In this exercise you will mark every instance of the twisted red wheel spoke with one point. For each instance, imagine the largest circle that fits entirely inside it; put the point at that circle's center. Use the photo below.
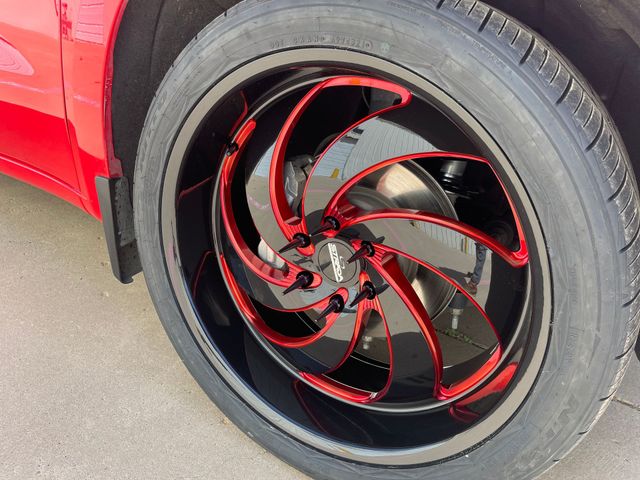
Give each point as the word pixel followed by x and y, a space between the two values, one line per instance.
pixel 414 350
pixel 364 309
pixel 364 148
pixel 277 280
pixel 286 219
pixel 385 250
pixel 342 340
pixel 405 240
pixel 338 201
pixel 324 351
pixel 333 192
pixel 248 309
pixel 487 365
pixel 490 363
pixel 461 410
pixel 333 387
pixel 415 359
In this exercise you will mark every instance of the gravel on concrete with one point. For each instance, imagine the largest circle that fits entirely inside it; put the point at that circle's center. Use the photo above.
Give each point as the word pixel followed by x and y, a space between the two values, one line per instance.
pixel 90 387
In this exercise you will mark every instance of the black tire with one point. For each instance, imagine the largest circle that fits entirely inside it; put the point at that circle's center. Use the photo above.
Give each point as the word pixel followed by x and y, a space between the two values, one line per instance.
pixel 559 139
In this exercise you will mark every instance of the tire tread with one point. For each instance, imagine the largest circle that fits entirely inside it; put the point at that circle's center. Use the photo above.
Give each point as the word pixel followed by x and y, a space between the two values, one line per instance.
pixel 601 139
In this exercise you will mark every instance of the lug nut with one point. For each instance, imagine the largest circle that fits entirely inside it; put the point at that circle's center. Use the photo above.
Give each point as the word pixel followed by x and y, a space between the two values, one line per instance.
pixel 336 305
pixel 300 240
pixel 368 292
pixel 303 280
pixel 366 250
pixel 329 223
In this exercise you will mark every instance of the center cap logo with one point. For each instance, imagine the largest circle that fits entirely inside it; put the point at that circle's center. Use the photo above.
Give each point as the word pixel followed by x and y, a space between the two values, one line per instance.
pixel 337 262
pixel 331 259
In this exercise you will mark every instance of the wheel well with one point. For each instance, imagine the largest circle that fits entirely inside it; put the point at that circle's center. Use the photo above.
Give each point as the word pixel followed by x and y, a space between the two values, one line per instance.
pixel 151 36
pixel 600 37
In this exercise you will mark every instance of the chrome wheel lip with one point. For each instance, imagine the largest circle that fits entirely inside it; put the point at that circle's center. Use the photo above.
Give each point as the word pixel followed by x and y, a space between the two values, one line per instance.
pixel 404 456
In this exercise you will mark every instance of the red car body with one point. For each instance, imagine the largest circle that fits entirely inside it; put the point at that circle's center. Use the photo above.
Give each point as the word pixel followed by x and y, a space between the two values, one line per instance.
pixel 56 74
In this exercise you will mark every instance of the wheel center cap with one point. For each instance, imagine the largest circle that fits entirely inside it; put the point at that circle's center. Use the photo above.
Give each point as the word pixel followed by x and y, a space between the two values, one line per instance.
pixel 331 259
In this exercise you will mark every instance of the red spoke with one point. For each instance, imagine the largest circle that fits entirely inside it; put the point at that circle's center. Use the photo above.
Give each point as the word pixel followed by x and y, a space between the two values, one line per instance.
pixel 287 220
pixel 388 267
pixel 478 376
pixel 338 389
pixel 385 250
pixel 362 314
pixel 338 207
pixel 249 311
pixel 515 259
pixel 268 273
pixel 322 381
pixel 461 411
pixel 396 367
pixel 497 385
pixel 384 262
pixel 339 202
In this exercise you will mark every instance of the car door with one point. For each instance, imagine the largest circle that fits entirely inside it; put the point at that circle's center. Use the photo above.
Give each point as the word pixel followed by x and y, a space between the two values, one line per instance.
pixel 33 127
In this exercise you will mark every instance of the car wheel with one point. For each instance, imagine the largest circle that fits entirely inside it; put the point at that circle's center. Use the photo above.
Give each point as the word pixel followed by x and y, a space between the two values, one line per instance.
pixel 390 239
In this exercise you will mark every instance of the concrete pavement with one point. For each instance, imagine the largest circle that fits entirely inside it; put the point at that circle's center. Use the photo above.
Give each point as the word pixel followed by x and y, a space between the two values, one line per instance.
pixel 90 386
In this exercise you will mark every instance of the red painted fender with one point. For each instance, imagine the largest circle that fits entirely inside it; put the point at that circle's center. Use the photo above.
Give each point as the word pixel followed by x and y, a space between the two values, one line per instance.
pixel 88 33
